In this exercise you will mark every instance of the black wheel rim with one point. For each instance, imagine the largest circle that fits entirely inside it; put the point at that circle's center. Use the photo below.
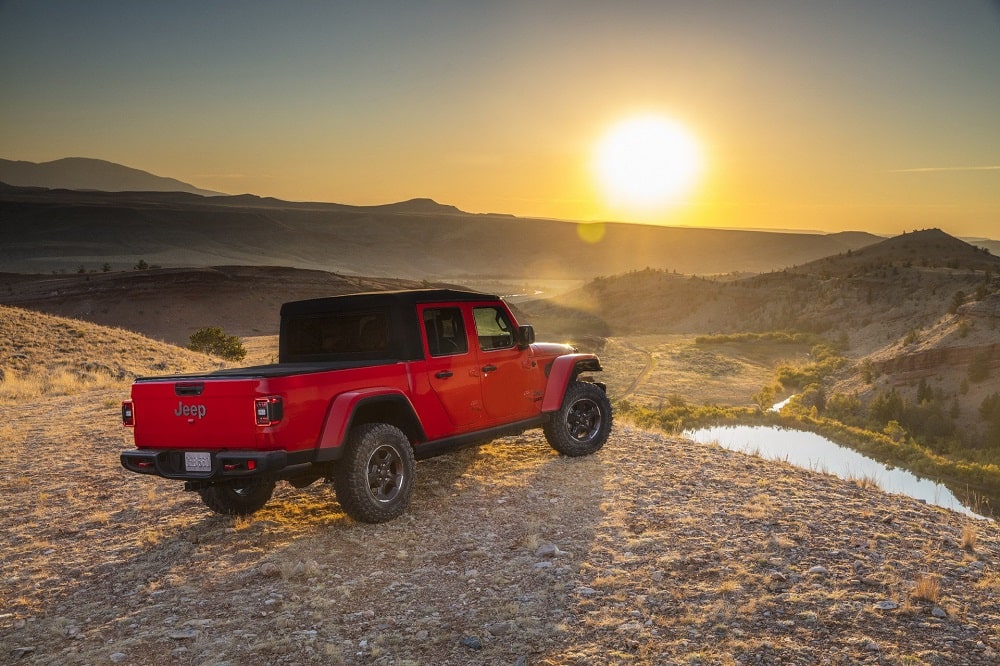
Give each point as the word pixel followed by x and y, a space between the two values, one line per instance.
pixel 584 419
pixel 385 473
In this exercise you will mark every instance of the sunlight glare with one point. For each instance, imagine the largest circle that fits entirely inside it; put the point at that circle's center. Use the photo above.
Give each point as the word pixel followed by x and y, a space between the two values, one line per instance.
pixel 647 162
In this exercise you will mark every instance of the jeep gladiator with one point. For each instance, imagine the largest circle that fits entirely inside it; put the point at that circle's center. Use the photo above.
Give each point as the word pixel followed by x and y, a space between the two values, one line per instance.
pixel 365 384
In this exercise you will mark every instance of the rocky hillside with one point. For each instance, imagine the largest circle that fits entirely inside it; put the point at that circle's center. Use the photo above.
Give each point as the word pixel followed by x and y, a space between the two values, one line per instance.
pixel 654 550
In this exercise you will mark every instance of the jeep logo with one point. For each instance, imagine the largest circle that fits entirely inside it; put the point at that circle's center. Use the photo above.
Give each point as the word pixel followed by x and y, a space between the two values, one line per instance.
pixel 190 410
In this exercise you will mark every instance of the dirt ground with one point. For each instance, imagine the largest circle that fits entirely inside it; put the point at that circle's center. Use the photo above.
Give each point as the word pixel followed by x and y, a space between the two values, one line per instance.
pixel 655 550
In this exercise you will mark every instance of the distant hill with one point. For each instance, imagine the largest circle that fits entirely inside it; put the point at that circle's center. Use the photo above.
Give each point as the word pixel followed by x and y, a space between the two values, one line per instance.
pixel 873 295
pixel 63 230
pixel 928 248
pixel 171 303
pixel 991 245
pixel 83 173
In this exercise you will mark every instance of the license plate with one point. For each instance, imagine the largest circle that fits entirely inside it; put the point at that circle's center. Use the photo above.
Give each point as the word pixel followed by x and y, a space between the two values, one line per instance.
pixel 197 461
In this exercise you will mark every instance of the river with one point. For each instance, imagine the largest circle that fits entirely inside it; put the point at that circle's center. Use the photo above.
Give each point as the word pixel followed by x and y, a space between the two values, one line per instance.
pixel 815 452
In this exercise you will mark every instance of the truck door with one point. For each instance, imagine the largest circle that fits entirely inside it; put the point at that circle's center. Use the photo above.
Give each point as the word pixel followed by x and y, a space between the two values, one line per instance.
pixel 451 365
pixel 507 374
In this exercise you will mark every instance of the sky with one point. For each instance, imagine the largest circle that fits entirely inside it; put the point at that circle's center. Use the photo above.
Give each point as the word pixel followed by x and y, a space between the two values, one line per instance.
pixel 870 115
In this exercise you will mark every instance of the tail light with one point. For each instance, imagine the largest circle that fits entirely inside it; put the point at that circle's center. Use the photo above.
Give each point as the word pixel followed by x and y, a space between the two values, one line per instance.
pixel 268 411
pixel 128 414
pixel 244 466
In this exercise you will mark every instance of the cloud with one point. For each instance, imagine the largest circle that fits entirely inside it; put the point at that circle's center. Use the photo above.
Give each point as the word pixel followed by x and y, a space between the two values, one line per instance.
pixel 963 168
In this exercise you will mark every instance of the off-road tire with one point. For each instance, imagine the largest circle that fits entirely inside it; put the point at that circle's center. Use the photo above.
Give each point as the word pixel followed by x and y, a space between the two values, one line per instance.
pixel 583 422
pixel 374 479
pixel 238 498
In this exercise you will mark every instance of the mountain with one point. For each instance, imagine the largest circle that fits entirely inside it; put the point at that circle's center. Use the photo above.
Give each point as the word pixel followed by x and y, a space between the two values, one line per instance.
pixel 83 173
pixel 63 230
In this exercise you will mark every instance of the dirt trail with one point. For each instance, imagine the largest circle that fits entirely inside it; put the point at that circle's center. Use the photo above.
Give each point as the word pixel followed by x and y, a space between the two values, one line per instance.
pixel 643 374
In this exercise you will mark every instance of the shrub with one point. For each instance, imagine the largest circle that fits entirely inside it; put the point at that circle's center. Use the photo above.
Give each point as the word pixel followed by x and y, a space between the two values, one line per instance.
pixel 764 398
pixel 214 341
pixel 826 362
pixel 895 431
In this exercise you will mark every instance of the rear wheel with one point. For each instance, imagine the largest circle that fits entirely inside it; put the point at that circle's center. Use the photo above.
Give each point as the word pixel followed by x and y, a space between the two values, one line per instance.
pixel 374 479
pixel 583 422
pixel 238 498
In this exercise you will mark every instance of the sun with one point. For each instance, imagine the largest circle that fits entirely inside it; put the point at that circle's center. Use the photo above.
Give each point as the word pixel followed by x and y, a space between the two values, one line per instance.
pixel 647 162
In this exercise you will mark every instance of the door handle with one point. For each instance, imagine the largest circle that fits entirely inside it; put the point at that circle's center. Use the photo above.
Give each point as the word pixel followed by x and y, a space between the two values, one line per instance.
pixel 443 374
pixel 489 368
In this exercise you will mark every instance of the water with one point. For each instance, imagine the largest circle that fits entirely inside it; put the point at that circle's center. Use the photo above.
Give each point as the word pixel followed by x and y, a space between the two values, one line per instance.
pixel 815 452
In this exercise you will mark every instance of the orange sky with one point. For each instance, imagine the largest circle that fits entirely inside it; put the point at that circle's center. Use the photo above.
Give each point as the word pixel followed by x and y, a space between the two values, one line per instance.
pixel 821 116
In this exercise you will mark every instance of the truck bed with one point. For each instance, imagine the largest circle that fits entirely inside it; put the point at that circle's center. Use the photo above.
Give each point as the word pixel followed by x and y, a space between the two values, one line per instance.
pixel 269 371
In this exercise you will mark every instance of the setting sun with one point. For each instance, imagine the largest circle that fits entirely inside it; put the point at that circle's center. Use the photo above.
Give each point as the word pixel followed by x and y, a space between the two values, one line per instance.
pixel 647 162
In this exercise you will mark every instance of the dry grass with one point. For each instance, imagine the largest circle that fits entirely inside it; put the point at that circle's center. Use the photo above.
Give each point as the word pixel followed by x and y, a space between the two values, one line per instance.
pixel 18 387
pixel 928 588
pixel 45 355
pixel 969 535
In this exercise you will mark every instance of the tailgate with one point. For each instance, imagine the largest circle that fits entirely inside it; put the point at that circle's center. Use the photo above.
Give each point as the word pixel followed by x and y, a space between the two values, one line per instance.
pixel 198 413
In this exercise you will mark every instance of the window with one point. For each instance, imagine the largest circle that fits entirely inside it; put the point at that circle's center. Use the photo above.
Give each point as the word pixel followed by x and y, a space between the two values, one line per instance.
pixel 493 328
pixel 338 334
pixel 445 331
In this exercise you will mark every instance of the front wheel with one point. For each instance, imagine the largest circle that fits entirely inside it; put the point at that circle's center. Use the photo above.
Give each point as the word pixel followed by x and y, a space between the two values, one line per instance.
pixel 583 422
pixel 374 479
pixel 238 498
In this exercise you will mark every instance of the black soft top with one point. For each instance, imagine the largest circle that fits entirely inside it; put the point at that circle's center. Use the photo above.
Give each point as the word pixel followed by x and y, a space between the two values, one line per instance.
pixel 399 307
pixel 406 298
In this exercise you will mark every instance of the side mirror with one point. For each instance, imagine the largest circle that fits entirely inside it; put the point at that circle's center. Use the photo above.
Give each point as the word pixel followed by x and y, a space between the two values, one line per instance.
pixel 525 336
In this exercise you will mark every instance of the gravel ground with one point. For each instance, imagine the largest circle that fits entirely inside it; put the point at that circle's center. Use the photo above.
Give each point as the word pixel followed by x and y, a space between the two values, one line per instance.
pixel 655 550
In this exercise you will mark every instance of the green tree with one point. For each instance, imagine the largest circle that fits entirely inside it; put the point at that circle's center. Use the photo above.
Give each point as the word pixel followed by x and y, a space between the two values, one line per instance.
pixel 924 392
pixel 956 301
pixel 979 369
pixel 990 411
pixel 895 431
pixel 214 341
pixel 885 407
pixel 842 407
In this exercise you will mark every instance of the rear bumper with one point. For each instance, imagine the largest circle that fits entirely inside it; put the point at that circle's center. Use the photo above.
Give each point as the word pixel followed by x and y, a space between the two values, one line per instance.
pixel 169 463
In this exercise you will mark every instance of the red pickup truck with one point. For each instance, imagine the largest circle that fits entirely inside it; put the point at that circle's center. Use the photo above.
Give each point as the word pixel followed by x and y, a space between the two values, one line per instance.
pixel 365 384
